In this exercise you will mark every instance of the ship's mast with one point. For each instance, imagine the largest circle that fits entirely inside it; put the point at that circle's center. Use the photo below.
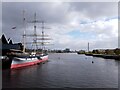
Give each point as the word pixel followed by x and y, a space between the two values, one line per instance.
pixel 24 32
pixel 35 35
pixel 43 38
pixel 42 44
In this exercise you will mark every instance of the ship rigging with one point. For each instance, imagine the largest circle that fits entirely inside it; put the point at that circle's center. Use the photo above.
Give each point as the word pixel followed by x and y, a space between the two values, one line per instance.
pixel 38 39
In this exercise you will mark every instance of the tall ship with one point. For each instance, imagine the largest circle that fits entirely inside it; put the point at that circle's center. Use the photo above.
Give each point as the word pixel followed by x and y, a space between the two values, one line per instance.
pixel 21 57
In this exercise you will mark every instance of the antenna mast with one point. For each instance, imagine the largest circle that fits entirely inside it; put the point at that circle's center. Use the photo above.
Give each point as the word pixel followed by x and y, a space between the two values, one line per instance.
pixel 88 46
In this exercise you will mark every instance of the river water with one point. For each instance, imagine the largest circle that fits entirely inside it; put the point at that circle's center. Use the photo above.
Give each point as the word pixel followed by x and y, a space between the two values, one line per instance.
pixel 68 70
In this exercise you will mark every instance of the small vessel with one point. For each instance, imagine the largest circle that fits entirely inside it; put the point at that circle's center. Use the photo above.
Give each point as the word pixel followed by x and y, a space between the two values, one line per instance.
pixel 92 62
pixel 6 62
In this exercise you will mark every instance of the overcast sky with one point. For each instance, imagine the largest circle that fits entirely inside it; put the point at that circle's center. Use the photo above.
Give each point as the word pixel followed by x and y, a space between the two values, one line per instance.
pixel 72 24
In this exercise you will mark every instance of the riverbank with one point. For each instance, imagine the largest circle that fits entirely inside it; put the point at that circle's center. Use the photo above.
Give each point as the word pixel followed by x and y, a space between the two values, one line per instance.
pixel 116 57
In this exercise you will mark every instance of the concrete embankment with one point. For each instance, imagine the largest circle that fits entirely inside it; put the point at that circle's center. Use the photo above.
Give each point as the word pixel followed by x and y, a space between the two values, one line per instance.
pixel 116 57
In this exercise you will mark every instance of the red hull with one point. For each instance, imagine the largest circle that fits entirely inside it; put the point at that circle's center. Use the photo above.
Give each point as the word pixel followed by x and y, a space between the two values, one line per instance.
pixel 13 66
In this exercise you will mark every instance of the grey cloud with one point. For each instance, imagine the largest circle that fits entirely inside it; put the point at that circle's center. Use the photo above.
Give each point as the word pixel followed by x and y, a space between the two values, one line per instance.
pixel 44 11
pixel 96 9
pixel 12 11
pixel 12 15
pixel 52 13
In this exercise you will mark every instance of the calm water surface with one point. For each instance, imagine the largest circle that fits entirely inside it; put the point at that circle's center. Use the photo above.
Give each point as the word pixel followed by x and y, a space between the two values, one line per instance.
pixel 65 70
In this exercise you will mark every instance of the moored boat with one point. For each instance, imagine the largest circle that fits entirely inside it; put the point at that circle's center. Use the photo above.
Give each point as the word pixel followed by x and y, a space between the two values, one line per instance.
pixel 34 57
pixel 13 57
pixel 6 62
pixel 18 62
pixel 21 58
